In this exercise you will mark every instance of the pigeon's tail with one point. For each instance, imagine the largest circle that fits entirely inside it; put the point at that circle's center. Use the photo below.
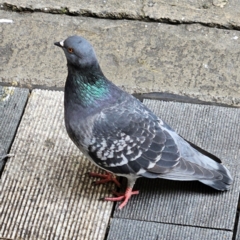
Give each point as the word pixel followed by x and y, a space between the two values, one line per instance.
pixel 220 184
pixel 222 179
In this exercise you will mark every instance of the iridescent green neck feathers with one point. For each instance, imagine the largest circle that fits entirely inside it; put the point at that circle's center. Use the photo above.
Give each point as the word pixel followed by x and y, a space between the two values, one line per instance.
pixel 87 89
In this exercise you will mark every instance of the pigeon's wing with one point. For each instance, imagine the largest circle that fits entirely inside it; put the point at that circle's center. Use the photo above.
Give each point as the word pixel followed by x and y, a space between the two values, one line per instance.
pixel 204 152
pixel 135 141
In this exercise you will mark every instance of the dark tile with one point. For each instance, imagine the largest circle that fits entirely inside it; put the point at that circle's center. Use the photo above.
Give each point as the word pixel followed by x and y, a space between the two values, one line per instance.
pixel 123 229
pixel 12 103
pixel 215 129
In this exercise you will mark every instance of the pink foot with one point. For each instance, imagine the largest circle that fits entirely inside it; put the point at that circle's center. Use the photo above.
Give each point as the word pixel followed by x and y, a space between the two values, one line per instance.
pixel 107 177
pixel 120 196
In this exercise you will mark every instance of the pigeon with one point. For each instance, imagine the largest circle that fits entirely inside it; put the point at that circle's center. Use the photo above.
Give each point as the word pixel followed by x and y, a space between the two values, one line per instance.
pixel 119 134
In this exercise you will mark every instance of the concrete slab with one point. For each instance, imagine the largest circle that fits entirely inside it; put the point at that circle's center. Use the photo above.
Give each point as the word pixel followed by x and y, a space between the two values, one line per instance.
pixel 45 191
pixel 215 129
pixel 110 8
pixel 214 13
pixel 122 229
pixel 190 60
pixel 220 13
pixel 12 103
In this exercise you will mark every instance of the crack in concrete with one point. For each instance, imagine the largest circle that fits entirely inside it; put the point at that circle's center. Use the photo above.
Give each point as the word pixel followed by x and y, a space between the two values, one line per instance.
pixel 115 15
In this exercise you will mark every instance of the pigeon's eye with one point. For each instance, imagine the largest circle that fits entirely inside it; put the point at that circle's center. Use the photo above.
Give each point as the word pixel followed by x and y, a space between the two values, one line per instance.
pixel 70 50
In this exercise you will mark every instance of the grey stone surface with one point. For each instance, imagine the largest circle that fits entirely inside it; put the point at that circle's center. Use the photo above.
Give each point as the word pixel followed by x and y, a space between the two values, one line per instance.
pixel 190 60
pixel 215 129
pixel 46 192
pixel 219 13
pixel 223 13
pixel 12 103
pixel 122 229
pixel 103 8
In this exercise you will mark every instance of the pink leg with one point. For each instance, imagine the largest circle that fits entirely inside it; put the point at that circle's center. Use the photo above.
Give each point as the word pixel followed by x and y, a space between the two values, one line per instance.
pixel 120 196
pixel 107 177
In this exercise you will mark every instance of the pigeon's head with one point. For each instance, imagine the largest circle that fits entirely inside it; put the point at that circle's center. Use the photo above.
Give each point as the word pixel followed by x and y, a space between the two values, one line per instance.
pixel 79 52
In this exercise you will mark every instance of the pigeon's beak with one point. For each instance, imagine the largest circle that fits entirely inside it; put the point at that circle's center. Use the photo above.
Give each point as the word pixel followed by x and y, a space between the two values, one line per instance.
pixel 59 44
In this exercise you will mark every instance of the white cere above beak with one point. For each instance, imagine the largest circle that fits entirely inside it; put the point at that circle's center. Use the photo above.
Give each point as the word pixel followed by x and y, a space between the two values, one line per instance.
pixel 62 43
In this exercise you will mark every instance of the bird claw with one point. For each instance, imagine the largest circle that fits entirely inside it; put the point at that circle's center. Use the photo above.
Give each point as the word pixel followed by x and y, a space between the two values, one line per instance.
pixel 107 177
pixel 7 155
pixel 122 196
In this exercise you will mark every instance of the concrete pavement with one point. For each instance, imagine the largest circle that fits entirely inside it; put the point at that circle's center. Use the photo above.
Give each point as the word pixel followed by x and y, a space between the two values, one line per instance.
pixel 192 56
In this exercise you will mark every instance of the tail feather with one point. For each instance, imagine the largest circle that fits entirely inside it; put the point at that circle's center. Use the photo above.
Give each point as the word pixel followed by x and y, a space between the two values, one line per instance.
pixel 211 162
pixel 220 184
